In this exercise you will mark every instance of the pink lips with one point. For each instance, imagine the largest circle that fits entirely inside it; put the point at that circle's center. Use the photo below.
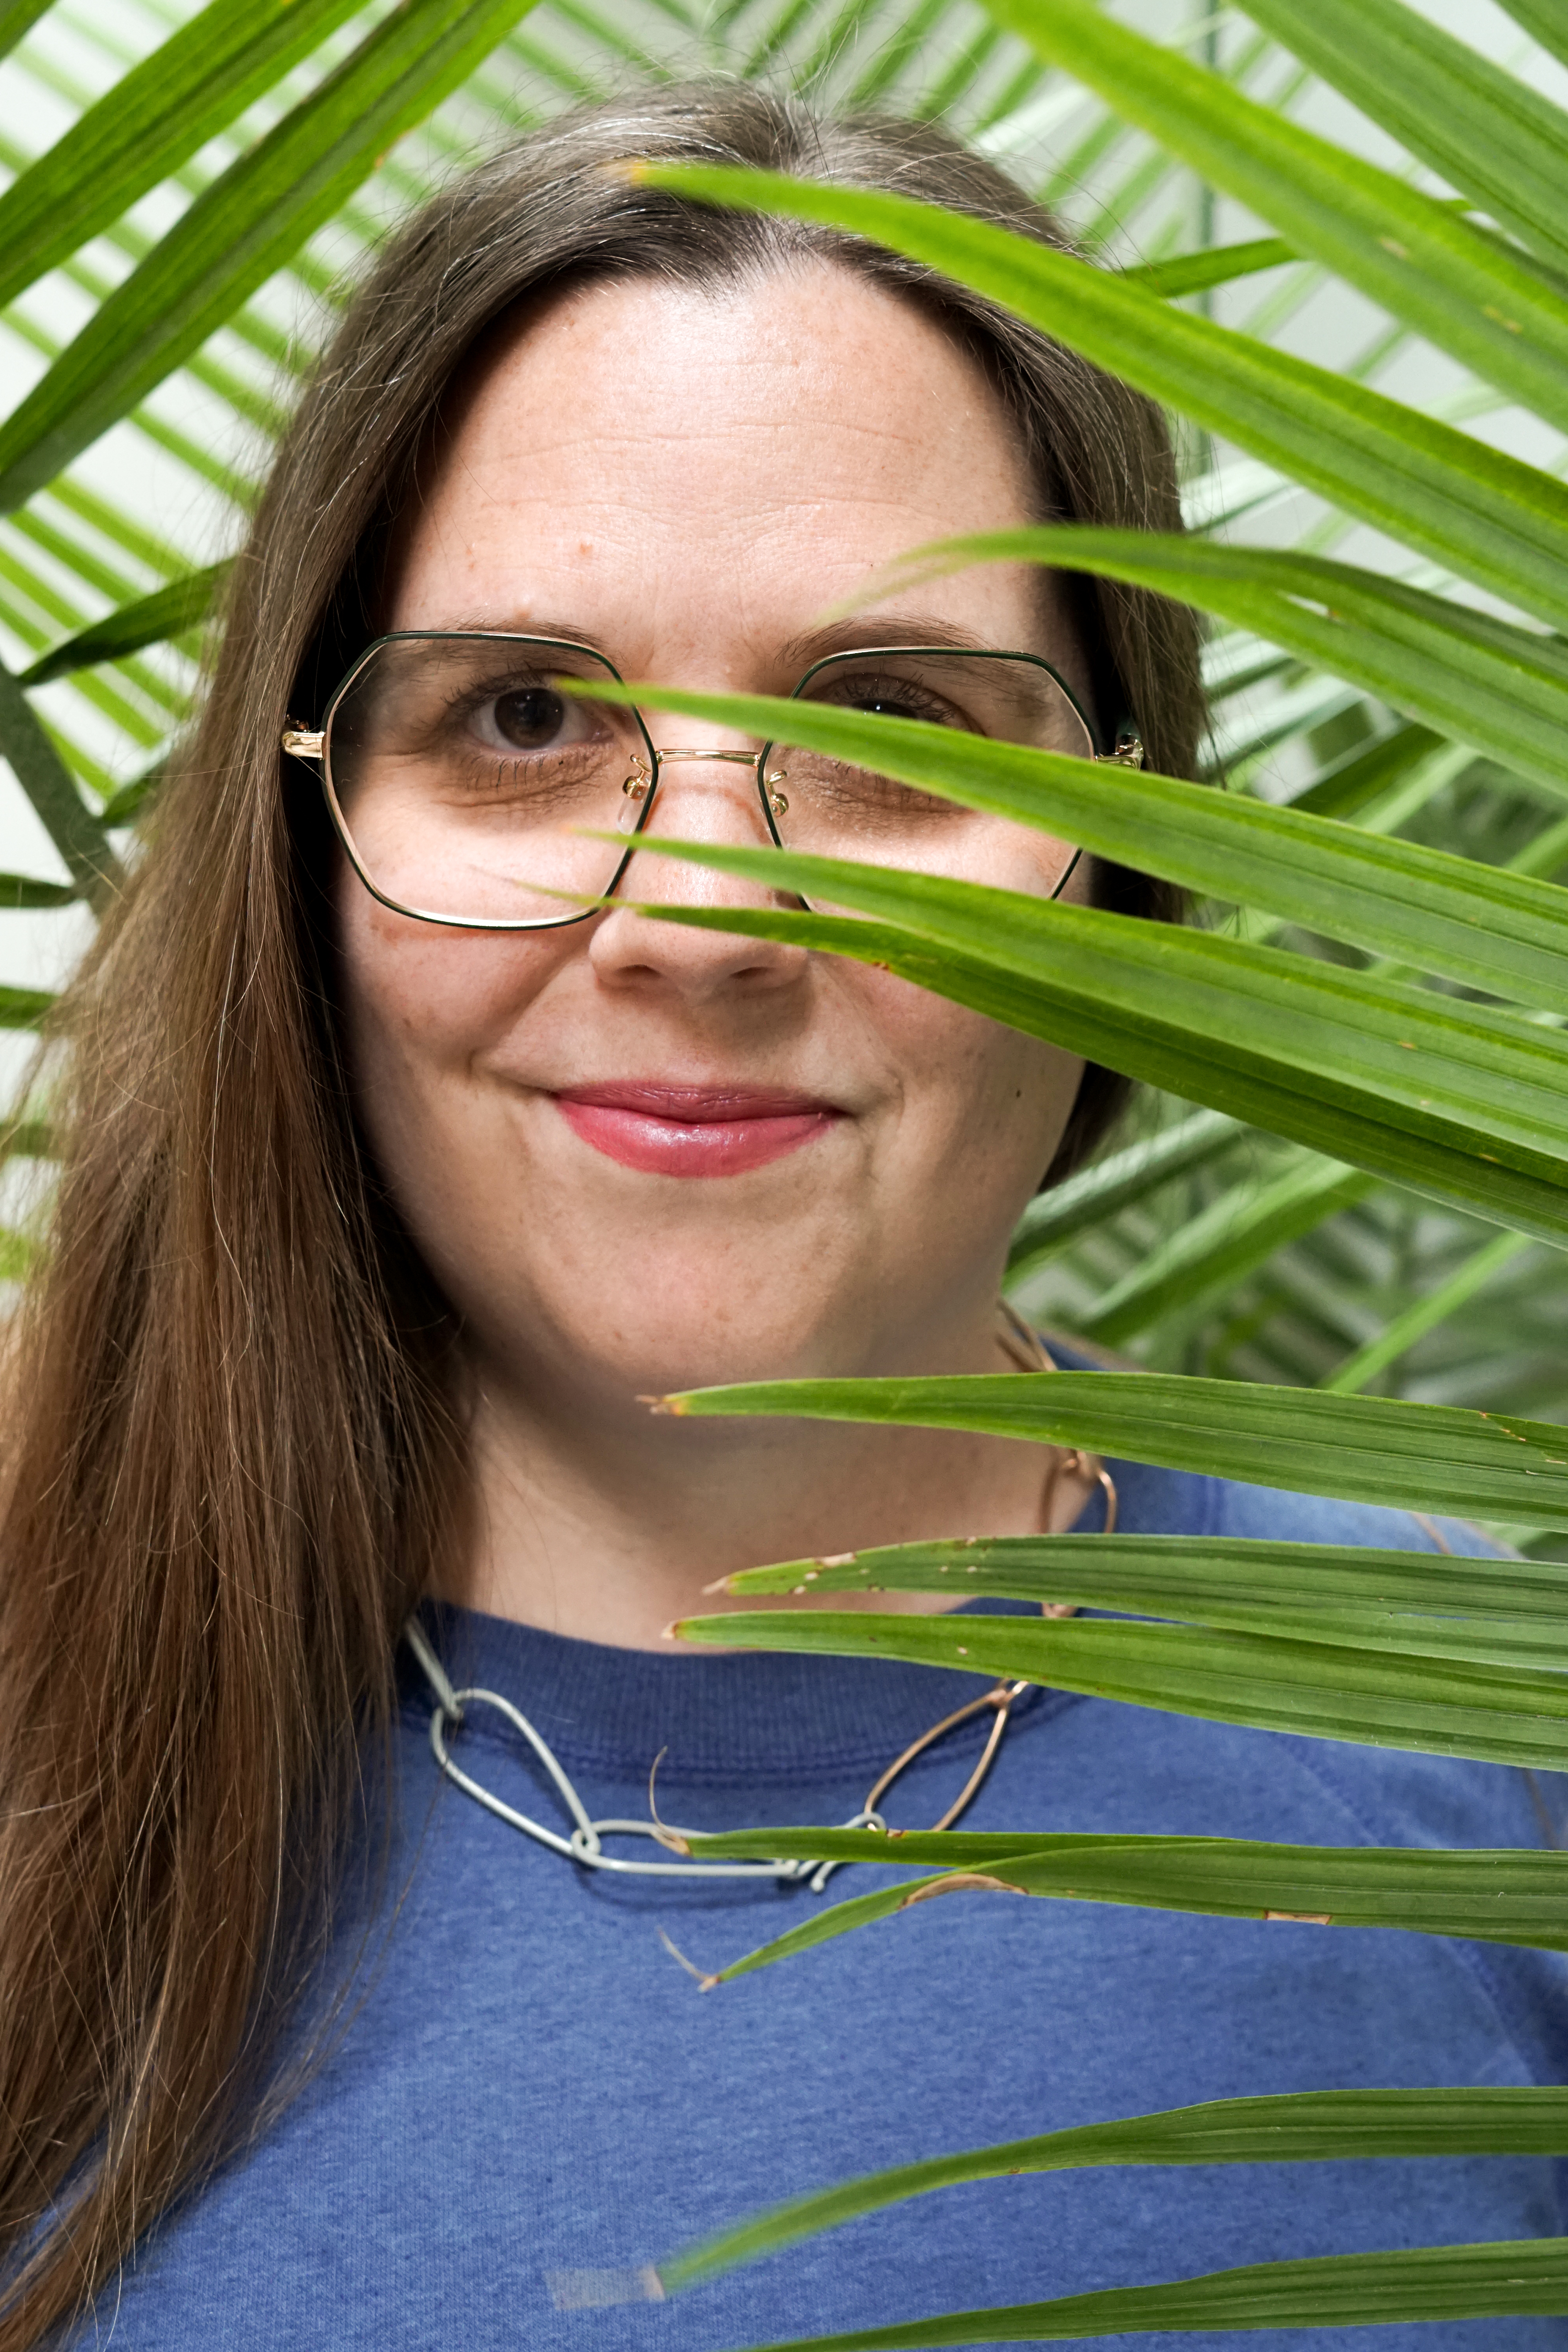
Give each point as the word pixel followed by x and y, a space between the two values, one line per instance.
pixel 693 1130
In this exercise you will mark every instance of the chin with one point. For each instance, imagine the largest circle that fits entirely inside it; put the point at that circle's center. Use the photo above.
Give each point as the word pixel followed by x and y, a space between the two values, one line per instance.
pixel 634 1312
pixel 652 1337
pixel 700 1351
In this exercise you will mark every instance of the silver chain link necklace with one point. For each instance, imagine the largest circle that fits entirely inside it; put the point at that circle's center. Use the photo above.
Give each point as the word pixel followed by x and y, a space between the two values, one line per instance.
pixel 584 1842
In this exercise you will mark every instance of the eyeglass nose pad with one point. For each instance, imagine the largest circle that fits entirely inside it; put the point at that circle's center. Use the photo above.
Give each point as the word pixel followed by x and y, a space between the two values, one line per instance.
pixel 777 801
pixel 636 784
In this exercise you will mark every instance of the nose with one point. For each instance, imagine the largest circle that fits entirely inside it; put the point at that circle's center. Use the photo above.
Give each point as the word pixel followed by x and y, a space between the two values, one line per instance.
pixel 710 793
pixel 673 754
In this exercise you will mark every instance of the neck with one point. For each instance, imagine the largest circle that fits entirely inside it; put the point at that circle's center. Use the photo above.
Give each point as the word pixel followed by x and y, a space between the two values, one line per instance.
pixel 603 1521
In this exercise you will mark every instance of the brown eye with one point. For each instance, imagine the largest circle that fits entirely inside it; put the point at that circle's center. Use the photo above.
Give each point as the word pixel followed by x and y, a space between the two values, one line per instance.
pixel 529 719
pixel 888 706
pixel 891 696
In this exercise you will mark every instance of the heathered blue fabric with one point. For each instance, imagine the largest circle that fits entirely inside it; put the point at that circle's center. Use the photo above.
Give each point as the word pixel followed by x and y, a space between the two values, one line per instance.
pixel 531 2102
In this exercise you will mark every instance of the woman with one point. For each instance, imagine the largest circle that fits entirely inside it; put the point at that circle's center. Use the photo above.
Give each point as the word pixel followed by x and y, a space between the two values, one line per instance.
pixel 396 1179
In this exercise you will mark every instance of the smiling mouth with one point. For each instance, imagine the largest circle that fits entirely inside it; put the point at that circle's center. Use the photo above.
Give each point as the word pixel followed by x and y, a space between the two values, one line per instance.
pixel 673 1130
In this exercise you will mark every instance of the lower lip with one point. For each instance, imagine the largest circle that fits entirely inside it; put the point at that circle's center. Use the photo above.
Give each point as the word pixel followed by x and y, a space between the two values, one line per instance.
pixel 686 1146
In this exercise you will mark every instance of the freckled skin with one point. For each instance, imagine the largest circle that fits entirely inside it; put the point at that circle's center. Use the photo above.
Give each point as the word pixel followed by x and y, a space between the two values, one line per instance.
pixel 690 480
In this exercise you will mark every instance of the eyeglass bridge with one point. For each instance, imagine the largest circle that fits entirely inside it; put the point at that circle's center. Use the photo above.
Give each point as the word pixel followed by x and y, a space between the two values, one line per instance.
pixel 1127 752
pixel 640 782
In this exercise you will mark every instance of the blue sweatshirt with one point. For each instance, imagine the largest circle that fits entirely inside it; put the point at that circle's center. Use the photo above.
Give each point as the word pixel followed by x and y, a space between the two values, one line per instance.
pixel 531 2104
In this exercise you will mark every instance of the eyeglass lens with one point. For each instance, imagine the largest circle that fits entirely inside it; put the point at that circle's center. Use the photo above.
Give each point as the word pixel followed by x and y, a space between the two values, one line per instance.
pixel 835 810
pixel 461 774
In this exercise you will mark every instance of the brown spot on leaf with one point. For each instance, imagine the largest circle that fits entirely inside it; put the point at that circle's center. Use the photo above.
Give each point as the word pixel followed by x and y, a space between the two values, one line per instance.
pixel 959 1882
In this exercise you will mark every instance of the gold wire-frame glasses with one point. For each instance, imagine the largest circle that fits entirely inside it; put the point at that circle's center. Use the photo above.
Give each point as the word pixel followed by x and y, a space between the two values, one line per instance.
pixel 384 757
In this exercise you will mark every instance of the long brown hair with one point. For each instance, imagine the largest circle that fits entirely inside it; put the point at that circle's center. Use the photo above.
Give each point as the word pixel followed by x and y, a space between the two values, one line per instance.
pixel 235 1450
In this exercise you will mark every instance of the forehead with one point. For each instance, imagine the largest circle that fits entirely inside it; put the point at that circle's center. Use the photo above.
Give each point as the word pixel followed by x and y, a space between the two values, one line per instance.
pixel 661 452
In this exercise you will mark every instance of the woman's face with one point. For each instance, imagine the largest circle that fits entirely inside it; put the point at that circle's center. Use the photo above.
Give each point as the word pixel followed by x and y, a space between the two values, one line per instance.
pixel 639 1155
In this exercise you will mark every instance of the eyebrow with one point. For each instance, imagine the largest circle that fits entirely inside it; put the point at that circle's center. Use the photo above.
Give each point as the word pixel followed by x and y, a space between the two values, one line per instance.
pixel 795 655
pixel 894 629
pixel 486 625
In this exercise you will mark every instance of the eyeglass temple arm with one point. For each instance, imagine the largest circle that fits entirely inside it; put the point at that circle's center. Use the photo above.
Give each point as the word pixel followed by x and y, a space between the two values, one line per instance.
pixel 310 743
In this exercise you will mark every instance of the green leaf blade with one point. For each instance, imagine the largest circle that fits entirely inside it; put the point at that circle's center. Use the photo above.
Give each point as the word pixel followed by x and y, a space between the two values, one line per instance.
pixel 25 1008
pixel 1362 1693
pixel 153 119
pixel 1055 1218
pixel 1218 1248
pixel 1507 2279
pixel 1483 1610
pixel 1484 130
pixel 1417 258
pixel 245 226
pixel 1500 1894
pixel 1501 932
pixel 1298 2127
pixel 1215 265
pixel 1344 1062
pixel 1497 522
pixel 150 620
pixel 1416 1457
pixel 43 775
pixel 1474 680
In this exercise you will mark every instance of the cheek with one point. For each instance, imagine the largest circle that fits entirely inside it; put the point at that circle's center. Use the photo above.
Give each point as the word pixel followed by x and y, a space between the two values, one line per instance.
pixel 975 1095
pixel 419 1005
